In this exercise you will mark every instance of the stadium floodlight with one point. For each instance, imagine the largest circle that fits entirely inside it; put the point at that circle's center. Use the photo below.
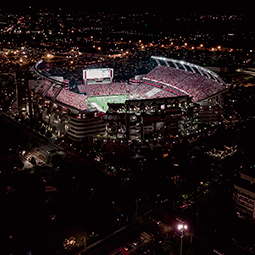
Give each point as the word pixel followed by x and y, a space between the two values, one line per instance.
pixel 39 62
pixel 162 58
pixel 182 227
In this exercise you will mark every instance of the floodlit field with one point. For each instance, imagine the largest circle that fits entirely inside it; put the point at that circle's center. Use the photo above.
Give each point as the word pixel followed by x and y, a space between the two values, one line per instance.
pixel 103 100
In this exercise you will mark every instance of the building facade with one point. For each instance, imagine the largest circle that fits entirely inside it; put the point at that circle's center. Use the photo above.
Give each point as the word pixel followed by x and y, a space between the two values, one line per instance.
pixel 244 194
pixel 140 119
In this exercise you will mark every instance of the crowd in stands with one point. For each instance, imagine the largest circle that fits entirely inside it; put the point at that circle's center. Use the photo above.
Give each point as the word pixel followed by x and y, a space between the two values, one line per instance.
pixel 100 89
pixel 193 84
pixel 66 97
pixel 160 81
pixel 164 93
pixel 43 87
pixel 119 87
pixel 173 91
pixel 176 82
pixel 139 90
pixel 73 99
pixel 145 90
pixel 81 89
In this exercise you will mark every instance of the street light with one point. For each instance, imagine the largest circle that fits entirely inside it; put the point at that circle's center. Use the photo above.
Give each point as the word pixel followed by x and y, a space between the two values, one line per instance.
pixel 182 227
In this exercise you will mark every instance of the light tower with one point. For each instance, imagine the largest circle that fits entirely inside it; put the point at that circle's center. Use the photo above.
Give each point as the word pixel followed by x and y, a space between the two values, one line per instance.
pixel 182 228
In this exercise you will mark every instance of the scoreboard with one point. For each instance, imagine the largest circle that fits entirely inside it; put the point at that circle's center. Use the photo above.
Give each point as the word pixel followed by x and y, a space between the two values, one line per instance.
pixel 98 73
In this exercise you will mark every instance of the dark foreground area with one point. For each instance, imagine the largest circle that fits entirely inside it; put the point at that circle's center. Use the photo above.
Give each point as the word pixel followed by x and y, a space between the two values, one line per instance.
pixel 42 207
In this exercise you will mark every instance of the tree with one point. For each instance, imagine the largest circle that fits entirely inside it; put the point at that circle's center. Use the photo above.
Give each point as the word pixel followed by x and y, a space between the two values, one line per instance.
pixel 56 160
pixel 26 121
pixel 29 145
pixel 32 161
pixel 42 130
pixel 48 159
pixel 191 251
pixel 167 246
pixel 48 134
pixel 20 164
pixel 37 128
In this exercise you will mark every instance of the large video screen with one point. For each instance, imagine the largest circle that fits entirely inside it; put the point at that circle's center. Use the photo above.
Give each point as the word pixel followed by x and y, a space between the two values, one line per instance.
pixel 97 73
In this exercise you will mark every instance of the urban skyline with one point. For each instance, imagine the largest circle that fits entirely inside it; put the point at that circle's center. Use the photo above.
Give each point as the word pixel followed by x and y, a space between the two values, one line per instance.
pixel 127 129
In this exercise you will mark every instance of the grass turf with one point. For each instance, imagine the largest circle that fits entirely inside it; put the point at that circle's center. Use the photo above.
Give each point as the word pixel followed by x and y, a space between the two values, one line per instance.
pixel 103 100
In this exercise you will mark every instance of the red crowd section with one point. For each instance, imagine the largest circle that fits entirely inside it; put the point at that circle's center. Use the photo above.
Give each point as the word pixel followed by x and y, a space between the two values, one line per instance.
pixel 183 82
pixel 66 97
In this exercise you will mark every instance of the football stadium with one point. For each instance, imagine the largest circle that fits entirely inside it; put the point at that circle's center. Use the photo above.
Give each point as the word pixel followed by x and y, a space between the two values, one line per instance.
pixel 174 97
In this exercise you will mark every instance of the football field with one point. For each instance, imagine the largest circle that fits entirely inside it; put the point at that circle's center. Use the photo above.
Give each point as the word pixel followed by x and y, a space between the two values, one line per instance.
pixel 103 100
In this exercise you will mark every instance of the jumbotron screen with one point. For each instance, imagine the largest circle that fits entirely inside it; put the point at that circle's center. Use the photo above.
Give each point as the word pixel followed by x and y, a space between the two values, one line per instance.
pixel 97 73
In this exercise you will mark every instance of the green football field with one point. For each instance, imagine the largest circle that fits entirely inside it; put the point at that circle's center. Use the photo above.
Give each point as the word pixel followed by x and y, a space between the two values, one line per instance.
pixel 103 100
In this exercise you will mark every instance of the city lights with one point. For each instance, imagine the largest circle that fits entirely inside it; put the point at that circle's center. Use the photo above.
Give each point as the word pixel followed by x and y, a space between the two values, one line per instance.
pixel 111 115
pixel 182 227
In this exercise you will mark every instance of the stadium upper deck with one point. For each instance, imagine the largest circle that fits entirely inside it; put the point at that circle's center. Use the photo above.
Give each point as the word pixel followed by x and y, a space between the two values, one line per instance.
pixel 62 96
pixel 186 79
pixel 55 90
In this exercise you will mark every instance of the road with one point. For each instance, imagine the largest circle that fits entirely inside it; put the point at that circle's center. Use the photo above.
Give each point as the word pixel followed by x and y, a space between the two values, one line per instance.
pixel 115 242
pixel 202 240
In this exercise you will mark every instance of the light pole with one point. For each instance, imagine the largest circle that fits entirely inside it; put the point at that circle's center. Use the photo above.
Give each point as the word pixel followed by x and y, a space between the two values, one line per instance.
pixel 182 227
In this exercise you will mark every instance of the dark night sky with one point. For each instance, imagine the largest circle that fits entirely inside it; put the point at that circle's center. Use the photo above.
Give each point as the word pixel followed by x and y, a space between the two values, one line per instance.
pixel 165 7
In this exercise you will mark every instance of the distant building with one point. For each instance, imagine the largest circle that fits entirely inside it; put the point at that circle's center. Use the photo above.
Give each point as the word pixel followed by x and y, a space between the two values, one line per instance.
pixel 140 119
pixel 248 70
pixel 23 93
pixel 244 193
